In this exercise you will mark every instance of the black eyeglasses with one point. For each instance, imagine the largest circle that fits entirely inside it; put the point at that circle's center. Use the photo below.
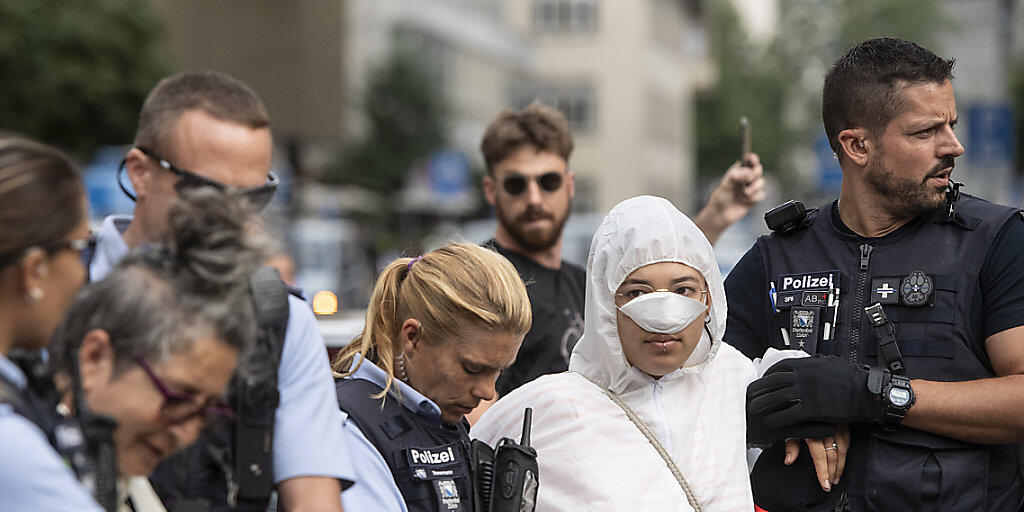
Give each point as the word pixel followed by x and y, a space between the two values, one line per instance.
pixel 179 407
pixel 258 196
pixel 516 184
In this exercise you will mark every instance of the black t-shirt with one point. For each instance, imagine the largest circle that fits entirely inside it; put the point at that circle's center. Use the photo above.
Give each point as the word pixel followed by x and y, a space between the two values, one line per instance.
pixel 998 302
pixel 556 299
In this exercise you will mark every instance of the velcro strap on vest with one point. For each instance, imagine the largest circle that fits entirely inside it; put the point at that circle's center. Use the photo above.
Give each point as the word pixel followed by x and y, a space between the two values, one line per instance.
pixel 948 282
pixel 396 426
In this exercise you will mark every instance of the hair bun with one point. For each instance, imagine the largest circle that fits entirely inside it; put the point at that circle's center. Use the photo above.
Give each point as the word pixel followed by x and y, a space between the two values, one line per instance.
pixel 215 239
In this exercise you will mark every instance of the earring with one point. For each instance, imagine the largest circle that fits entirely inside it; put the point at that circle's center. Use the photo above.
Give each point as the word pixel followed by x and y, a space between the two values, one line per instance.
pixel 400 368
pixel 34 295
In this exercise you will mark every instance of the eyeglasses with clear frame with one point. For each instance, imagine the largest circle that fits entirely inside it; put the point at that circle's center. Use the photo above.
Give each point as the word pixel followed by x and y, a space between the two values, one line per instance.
pixel 632 291
pixel 179 407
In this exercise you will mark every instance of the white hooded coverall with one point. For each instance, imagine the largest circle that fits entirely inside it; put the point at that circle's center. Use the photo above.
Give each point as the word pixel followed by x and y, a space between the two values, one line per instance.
pixel 591 456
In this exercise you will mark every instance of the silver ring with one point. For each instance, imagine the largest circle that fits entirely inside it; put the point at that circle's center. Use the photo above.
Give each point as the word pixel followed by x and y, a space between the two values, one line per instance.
pixel 833 447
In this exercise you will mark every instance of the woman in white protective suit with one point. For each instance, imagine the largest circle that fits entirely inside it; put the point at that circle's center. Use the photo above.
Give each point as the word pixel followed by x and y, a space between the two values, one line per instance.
pixel 650 271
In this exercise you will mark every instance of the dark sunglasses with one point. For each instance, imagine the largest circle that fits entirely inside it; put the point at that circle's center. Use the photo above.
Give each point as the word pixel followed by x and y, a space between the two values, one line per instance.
pixel 179 407
pixel 516 184
pixel 258 196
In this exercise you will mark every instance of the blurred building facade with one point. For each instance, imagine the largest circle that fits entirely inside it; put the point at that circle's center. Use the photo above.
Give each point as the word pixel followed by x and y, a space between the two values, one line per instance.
pixel 291 53
pixel 465 43
pixel 625 74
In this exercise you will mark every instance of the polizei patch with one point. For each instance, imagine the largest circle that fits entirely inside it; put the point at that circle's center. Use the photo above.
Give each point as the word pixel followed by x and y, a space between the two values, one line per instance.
pixel 812 281
pixel 435 456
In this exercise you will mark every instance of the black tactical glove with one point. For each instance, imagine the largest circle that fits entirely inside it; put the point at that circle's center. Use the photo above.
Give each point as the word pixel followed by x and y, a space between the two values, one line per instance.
pixel 759 433
pixel 820 388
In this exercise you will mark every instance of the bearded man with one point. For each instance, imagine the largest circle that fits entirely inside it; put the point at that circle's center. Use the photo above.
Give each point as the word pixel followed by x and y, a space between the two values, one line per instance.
pixel 910 295
pixel 530 185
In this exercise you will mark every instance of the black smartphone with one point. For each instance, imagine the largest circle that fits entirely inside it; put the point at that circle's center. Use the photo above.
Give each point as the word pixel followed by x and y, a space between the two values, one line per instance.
pixel 744 138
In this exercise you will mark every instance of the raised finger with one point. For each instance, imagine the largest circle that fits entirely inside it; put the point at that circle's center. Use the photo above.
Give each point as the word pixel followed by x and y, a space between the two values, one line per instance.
pixel 817 451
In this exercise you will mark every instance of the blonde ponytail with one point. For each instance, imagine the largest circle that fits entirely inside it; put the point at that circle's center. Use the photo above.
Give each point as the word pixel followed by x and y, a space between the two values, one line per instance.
pixel 450 290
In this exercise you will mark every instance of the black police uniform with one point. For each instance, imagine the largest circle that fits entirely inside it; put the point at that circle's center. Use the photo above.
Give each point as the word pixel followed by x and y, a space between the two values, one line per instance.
pixel 819 278
pixel 429 460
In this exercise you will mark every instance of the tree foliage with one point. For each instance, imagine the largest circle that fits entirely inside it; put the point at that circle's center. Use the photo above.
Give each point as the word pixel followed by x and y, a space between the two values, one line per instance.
pixel 74 74
pixel 777 83
pixel 405 122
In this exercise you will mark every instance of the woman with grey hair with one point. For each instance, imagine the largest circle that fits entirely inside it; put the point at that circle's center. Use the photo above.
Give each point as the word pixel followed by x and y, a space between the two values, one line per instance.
pixel 144 356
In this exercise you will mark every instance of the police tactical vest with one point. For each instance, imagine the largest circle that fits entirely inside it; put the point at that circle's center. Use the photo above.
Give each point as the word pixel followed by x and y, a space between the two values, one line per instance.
pixel 429 461
pixel 924 275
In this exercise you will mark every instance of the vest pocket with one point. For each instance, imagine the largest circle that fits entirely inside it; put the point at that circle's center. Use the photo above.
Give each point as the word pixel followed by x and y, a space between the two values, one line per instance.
pixel 911 470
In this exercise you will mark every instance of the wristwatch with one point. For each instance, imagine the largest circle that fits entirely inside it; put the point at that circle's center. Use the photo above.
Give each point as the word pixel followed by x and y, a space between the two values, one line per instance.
pixel 898 396
pixel 893 391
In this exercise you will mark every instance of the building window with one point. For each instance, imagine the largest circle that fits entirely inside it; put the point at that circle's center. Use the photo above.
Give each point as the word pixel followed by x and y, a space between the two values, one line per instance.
pixel 564 16
pixel 576 101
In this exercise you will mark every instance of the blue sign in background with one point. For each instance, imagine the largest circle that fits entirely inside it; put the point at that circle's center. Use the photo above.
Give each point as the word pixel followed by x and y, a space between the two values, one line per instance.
pixel 990 135
pixel 449 172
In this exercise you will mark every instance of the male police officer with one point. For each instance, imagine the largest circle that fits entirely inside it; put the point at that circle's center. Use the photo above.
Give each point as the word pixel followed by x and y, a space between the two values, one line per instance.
pixel 210 129
pixel 530 186
pixel 907 276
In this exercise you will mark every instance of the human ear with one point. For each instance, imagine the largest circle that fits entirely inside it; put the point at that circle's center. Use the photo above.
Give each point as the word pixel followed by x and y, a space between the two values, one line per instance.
pixel 95 359
pixel 139 173
pixel 32 271
pixel 490 189
pixel 854 145
pixel 570 182
pixel 409 335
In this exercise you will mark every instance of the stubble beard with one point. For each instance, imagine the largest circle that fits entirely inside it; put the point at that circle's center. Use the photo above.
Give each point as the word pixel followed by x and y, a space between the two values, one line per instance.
pixel 533 239
pixel 907 198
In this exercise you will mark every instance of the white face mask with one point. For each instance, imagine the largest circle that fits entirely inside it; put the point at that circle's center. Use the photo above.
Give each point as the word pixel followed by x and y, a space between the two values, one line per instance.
pixel 663 312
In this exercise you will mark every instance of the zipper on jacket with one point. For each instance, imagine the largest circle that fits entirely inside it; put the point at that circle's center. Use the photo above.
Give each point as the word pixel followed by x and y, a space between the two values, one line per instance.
pixel 858 301
pixel 663 427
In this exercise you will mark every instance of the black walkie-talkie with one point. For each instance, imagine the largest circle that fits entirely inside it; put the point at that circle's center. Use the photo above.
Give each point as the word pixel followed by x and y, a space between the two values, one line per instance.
pixel 514 488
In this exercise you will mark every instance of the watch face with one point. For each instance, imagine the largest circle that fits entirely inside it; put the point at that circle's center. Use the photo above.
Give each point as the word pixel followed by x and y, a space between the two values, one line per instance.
pixel 899 397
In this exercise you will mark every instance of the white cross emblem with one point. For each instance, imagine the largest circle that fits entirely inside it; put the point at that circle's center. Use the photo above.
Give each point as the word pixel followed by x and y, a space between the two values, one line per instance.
pixel 885 290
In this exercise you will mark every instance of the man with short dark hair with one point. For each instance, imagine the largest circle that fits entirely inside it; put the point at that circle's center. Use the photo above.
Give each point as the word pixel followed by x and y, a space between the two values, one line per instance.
pixel 208 129
pixel 910 295
pixel 531 187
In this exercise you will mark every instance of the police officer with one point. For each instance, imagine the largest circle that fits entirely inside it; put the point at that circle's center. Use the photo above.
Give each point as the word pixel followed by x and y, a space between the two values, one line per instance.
pixel 908 291
pixel 44 222
pixel 144 356
pixel 439 329
pixel 210 129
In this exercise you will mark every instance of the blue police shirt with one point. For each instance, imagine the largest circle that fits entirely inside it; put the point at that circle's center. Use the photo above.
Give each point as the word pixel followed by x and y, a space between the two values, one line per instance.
pixel 376 489
pixel 32 475
pixel 307 440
